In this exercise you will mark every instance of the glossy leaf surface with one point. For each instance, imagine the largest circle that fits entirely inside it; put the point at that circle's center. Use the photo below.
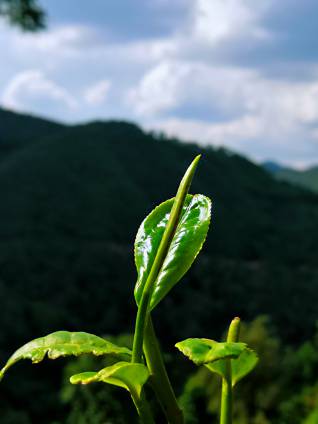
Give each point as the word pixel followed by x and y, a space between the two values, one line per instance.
pixel 64 343
pixel 187 242
pixel 204 351
pixel 130 376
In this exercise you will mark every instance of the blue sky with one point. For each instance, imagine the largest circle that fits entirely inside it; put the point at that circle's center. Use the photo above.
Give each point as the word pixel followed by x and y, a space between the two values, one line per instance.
pixel 238 73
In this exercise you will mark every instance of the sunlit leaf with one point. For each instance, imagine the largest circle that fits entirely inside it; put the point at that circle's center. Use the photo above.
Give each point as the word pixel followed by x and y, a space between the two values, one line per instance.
pixel 214 356
pixel 184 247
pixel 243 365
pixel 64 343
pixel 204 351
pixel 130 376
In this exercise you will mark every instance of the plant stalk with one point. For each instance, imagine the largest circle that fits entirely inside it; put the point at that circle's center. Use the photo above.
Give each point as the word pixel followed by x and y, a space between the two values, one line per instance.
pixel 227 390
pixel 159 376
pixel 143 307
pixel 143 408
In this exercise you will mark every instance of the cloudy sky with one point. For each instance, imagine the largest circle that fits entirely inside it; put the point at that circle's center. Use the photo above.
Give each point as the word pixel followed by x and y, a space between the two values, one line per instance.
pixel 239 73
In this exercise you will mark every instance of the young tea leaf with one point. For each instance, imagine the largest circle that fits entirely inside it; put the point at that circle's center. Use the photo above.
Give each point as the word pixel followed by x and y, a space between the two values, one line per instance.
pixel 130 376
pixel 204 351
pixel 214 355
pixel 64 343
pixel 187 242
pixel 243 365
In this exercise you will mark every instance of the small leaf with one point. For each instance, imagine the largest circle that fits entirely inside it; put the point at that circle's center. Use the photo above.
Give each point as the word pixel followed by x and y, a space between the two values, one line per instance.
pixel 187 242
pixel 204 351
pixel 130 376
pixel 243 365
pixel 214 356
pixel 64 343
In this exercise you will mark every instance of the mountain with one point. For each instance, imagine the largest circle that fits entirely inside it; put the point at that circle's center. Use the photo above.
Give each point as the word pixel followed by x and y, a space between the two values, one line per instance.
pixel 22 127
pixel 307 178
pixel 16 130
pixel 72 198
pixel 272 167
pixel 72 201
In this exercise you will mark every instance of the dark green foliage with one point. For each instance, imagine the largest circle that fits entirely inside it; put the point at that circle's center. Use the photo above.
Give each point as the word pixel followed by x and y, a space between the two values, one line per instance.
pixel 307 178
pixel 18 131
pixel 21 128
pixel 71 200
pixel 281 390
pixel 25 14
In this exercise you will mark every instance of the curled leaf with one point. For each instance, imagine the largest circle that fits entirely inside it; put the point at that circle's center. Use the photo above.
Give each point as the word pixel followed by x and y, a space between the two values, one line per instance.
pixel 64 343
pixel 204 351
pixel 130 376
pixel 214 356
pixel 185 245
pixel 243 365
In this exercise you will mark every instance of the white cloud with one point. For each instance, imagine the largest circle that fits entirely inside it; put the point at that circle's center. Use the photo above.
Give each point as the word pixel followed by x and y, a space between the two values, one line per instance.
pixel 217 20
pixel 61 39
pixel 259 115
pixel 31 86
pixel 159 88
pixel 160 81
pixel 247 135
pixel 229 90
pixel 210 133
pixel 96 94
pixel 172 84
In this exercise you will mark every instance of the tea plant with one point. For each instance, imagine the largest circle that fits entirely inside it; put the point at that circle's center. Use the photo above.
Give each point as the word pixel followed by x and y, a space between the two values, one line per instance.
pixel 167 243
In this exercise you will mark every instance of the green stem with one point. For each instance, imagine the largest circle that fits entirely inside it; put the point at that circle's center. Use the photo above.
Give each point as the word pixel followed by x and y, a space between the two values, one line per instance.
pixel 159 376
pixel 142 407
pixel 227 390
pixel 227 396
pixel 143 307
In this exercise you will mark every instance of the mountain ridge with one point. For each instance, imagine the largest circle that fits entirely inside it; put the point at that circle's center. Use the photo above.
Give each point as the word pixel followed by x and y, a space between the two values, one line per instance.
pixel 87 188
pixel 306 178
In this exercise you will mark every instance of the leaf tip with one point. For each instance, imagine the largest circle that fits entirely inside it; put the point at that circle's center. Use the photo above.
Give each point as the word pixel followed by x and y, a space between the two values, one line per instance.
pixel 83 378
pixel 74 379
pixel 195 162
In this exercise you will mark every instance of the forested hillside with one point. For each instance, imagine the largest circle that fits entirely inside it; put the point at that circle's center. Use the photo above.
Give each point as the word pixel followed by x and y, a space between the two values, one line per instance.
pixel 72 199
pixel 307 178
pixel 18 131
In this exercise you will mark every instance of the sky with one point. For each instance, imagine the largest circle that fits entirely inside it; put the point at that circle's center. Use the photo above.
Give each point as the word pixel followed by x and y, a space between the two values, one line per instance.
pixel 236 73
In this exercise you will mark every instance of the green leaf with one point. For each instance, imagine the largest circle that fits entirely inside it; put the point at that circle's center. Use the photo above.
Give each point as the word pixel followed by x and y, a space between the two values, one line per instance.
pixel 64 343
pixel 214 356
pixel 312 418
pixel 243 365
pixel 187 242
pixel 204 351
pixel 130 376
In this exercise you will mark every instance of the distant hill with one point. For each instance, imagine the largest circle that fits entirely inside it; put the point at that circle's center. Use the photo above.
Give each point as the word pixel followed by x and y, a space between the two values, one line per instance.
pixel 71 201
pixel 18 129
pixel 307 178
pixel 272 166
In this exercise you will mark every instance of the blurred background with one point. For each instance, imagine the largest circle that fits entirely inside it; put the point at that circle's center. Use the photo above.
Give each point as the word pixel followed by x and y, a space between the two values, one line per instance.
pixel 102 107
